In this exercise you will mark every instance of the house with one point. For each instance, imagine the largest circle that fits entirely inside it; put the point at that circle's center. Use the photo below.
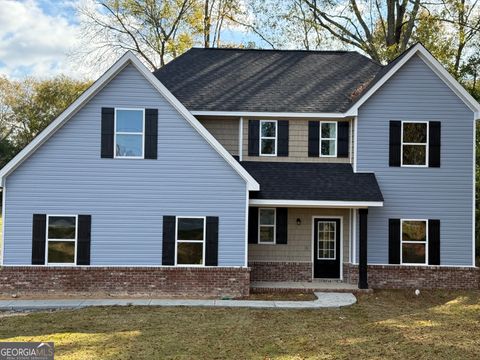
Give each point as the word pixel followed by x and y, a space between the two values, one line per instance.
pixel 231 166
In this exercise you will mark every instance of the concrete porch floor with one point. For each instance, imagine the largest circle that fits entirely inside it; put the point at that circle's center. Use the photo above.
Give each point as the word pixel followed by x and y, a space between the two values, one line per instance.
pixel 316 285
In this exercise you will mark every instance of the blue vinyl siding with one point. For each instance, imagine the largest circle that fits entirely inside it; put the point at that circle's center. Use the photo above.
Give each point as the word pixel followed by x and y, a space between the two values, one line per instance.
pixel 445 193
pixel 126 198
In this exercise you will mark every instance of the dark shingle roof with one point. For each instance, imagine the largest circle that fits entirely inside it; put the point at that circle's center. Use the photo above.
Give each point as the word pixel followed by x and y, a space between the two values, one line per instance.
pixel 267 80
pixel 312 181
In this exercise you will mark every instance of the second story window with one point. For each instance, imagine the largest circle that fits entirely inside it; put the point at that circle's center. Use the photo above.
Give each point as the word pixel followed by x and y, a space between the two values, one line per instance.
pixel 268 137
pixel 414 143
pixel 328 139
pixel 129 133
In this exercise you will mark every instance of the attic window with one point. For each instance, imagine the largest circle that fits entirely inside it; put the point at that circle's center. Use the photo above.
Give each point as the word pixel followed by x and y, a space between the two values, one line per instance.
pixel 129 133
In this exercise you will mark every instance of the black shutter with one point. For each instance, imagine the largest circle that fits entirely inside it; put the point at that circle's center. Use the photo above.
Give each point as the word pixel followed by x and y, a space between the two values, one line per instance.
pixel 394 241
pixel 342 145
pixel 39 232
pixel 253 225
pixel 282 138
pixel 434 242
pixel 253 137
pixel 395 142
pixel 108 128
pixel 434 129
pixel 83 243
pixel 282 225
pixel 168 248
pixel 211 253
pixel 313 138
pixel 151 133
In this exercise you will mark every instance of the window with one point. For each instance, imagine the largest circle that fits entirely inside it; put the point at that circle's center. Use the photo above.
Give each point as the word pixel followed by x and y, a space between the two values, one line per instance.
pixel 328 139
pixel 327 235
pixel 61 240
pixel 268 137
pixel 414 143
pixel 129 133
pixel 190 241
pixel 266 226
pixel 414 241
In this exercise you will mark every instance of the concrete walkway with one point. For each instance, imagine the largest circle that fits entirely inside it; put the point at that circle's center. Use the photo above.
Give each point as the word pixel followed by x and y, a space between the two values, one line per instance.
pixel 324 300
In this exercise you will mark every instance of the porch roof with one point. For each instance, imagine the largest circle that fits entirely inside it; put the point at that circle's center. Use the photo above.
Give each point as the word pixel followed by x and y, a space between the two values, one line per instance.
pixel 325 182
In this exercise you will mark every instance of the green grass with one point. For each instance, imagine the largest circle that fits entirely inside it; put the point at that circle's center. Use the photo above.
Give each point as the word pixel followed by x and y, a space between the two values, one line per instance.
pixel 387 324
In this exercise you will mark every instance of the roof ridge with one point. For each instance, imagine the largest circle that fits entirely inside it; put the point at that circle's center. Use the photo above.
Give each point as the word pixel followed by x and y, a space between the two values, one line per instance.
pixel 276 50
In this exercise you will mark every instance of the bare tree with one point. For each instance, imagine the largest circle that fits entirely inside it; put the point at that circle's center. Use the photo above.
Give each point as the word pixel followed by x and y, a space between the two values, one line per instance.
pixel 372 26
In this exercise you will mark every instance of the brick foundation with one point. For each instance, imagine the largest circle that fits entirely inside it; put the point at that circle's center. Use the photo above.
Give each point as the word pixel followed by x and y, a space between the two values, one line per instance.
pixel 422 277
pixel 280 271
pixel 137 281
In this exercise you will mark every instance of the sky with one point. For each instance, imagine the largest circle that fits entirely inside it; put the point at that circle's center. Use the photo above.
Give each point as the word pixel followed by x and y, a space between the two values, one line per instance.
pixel 38 37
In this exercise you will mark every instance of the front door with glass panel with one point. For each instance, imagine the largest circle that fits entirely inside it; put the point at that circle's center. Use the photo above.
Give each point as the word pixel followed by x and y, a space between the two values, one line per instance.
pixel 326 248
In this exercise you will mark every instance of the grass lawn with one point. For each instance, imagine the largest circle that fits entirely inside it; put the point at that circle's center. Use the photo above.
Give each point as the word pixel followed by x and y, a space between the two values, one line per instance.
pixel 387 324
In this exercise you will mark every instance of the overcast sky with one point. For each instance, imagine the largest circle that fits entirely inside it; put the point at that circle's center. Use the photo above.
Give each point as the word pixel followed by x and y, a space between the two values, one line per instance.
pixel 37 38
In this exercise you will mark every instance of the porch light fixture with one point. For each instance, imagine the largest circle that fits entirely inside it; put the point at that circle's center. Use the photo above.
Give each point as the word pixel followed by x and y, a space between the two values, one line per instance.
pixel 299 221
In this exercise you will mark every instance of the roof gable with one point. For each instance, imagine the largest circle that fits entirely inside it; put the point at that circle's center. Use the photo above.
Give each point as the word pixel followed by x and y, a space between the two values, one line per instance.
pixel 93 90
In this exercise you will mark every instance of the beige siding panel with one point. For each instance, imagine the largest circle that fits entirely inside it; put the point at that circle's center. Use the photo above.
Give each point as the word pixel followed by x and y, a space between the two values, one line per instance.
pixel 226 131
pixel 298 144
pixel 299 246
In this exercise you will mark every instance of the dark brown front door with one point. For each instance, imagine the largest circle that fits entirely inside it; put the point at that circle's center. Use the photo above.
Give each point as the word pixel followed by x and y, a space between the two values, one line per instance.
pixel 326 248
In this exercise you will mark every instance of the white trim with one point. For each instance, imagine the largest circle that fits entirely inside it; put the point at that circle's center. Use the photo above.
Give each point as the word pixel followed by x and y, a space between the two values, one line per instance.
pixel 4 201
pixel 260 137
pixel 333 115
pixel 437 69
pixel 47 240
pixel 268 225
pixel 355 144
pixel 240 139
pixel 127 58
pixel 313 242
pixel 426 144
pixel 115 133
pixel 474 172
pixel 350 235
pixel 314 203
pixel 414 242
pixel 320 139
pixel 247 209
pixel 204 218
pixel 354 237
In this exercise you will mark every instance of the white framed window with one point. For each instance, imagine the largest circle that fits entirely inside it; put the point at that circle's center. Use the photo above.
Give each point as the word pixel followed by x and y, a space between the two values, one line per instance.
pixel 129 139
pixel 326 240
pixel 414 150
pixel 61 242
pixel 328 139
pixel 267 225
pixel 268 137
pixel 190 234
pixel 414 241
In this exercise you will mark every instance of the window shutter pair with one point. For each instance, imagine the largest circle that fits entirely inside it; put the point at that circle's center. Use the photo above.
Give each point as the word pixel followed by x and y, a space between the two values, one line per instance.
pixel 343 128
pixel 394 241
pixel 281 229
pixel 254 137
pixel 434 142
pixel 211 241
pixel 39 238
pixel 108 133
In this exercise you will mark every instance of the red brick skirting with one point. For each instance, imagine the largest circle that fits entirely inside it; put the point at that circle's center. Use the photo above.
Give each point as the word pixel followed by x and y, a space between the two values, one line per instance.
pixel 138 281
pixel 418 277
pixel 280 271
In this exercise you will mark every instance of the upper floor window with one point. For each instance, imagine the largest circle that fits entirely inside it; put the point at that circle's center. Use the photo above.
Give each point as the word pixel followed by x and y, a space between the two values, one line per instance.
pixel 268 137
pixel 328 138
pixel 61 240
pixel 129 133
pixel 414 241
pixel 414 143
